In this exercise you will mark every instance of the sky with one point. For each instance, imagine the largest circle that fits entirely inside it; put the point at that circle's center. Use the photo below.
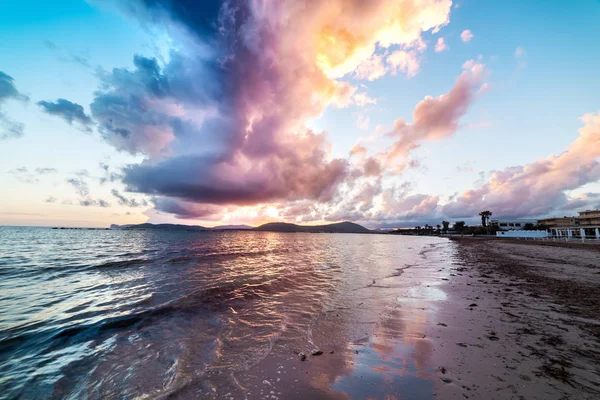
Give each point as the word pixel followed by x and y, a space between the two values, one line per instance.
pixel 388 113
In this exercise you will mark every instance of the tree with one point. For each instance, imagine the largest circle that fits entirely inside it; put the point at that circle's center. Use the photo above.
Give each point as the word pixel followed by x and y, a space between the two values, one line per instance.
pixel 485 217
pixel 446 225
pixel 438 226
pixel 459 226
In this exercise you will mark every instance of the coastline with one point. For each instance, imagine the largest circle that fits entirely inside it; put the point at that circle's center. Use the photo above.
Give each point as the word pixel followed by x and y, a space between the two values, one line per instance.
pixel 489 323
pixel 533 330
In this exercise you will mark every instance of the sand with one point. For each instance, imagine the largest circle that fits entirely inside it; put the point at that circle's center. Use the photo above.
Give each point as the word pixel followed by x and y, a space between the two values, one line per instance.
pixel 523 322
pixel 474 318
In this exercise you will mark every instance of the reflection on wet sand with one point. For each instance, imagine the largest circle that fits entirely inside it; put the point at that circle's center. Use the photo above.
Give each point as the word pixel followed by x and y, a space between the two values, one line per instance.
pixel 372 337
pixel 393 360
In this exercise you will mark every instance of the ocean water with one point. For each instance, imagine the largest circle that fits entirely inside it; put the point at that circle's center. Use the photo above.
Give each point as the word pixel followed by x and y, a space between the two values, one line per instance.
pixel 156 314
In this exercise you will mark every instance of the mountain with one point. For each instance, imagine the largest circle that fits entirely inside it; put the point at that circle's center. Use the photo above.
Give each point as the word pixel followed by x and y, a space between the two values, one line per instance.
pixel 231 227
pixel 341 227
pixel 164 227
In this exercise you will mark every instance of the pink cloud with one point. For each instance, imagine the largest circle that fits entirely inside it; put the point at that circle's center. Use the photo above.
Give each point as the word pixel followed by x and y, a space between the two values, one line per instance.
pixel 440 45
pixel 436 118
pixel 466 36
pixel 539 187
pixel 405 61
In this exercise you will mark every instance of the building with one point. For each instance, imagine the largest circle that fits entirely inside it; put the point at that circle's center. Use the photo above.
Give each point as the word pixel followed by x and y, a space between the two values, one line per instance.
pixel 585 226
pixel 511 224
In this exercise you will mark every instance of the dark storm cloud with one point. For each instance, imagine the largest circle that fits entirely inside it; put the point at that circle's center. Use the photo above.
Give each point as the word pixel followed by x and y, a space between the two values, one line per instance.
pixel 198 16
pixel 67 110
pixel 272 179
pixel 9 129
pixel 183 209
pixel 135 108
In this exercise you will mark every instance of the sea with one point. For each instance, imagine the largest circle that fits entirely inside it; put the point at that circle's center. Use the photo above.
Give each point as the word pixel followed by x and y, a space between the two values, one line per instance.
pixel 144 314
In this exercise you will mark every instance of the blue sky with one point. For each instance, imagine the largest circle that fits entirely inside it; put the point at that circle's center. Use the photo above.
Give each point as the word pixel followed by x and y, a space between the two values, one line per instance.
pixel 530 110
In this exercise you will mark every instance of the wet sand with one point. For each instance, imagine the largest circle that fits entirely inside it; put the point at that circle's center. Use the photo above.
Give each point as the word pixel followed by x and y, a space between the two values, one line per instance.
pixel 473 318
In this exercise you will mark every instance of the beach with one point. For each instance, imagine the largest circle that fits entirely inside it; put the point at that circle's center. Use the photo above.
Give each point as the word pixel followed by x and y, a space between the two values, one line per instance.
pixel 529 325
pixel 262 315
pixel 505 320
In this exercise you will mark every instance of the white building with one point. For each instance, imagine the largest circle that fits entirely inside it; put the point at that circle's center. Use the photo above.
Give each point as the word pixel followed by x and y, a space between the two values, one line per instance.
pixel 512 224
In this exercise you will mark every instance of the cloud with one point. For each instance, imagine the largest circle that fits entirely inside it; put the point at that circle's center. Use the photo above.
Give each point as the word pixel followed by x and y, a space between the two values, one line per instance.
pixel 519 52
pixel 520 55
pixel 358 149
pixel 84 173
pixel 440 45
pixel 372 68
pixel 50 199
pixel 9 129
pixel 465 167
pixel 539 187
pixel 45 171
pixel 232 132
pixel 8 90
pixel 362 121
pixel 466 36
pixel 89 202
pixel 380 65
pixel 108 175
pixel 124 201
pixel 81 187
pixel 184 209
pixel 66 56
pixel 23 175
pixel 69 111
pixel 362 99
pixel 221 123
pixel 405 61
pixel 436 118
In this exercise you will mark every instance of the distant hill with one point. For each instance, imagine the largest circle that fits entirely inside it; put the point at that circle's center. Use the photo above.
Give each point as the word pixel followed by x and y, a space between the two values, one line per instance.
pixel 232 227
pixel 341 227
pixel 164 227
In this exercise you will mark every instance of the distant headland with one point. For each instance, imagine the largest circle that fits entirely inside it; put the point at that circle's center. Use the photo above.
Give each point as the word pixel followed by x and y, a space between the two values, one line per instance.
pixel 340 227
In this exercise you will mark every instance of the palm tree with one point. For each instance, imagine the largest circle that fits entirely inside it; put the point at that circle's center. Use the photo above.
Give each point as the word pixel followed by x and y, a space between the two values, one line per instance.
pixel 438 226
pixel 485 217
pixel 459 226
pixel 446 225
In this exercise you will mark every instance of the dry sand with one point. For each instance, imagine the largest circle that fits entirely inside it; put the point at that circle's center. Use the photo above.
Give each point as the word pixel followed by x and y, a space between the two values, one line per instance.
pixel 530 322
